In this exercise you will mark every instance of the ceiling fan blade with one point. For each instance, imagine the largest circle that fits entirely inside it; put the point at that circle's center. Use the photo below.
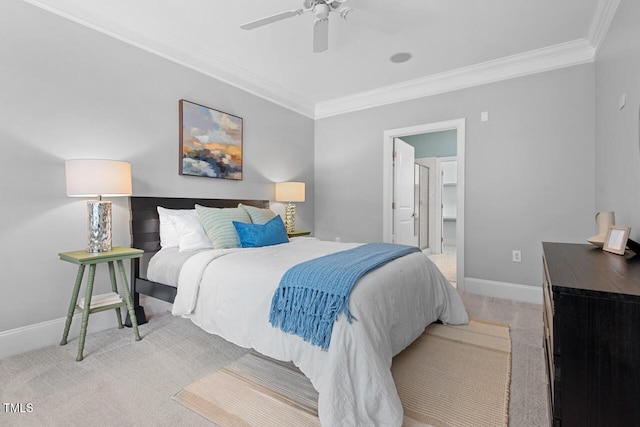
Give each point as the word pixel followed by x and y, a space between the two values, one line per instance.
pixel 321 35
pixel 269 19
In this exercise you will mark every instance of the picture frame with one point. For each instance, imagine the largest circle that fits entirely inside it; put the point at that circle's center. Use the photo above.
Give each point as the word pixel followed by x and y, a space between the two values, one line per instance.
pixel 616 240
pixel 210 142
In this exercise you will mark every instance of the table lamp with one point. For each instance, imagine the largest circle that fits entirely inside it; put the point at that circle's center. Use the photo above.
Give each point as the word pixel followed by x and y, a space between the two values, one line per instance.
pixel 98 178
pixel 290 192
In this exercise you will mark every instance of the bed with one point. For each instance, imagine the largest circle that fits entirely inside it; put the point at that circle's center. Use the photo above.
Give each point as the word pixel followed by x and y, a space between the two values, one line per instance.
pixel 145 235
pixel 217 291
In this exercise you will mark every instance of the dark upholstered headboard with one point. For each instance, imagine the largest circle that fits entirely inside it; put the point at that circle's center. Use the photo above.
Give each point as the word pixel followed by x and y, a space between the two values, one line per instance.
pixel 145 235
pixel 145 223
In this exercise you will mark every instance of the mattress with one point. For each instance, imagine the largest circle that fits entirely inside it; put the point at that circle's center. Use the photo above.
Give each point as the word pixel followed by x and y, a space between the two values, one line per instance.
pixel 228 293
pixel 166 264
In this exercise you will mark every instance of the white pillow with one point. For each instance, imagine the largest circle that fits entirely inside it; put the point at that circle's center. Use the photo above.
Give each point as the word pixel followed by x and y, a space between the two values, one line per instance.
pixel 191 234
pixel 168 235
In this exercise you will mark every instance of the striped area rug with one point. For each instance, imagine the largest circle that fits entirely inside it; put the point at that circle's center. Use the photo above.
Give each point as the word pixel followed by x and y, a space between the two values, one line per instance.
pixel 451 376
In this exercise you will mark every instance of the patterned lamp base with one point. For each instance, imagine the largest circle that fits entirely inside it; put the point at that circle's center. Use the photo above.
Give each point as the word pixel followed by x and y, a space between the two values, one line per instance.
pixel 99 226
pixel 290 217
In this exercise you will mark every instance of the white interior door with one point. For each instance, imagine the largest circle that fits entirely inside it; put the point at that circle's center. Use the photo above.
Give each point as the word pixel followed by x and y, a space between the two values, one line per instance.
pixel 404 212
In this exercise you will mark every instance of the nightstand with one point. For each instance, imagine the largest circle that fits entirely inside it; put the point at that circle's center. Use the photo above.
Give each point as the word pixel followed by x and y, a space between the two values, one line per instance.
pixel 298 233
pixel 83 258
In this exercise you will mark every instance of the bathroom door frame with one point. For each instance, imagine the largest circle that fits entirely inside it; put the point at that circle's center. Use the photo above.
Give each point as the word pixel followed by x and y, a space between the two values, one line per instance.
pixel 387 182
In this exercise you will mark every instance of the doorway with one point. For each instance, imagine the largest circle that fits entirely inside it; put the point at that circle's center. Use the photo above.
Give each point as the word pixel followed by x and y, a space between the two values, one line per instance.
pixel 446 203
pixel 388 191
pixel 411 153
pixel 445 255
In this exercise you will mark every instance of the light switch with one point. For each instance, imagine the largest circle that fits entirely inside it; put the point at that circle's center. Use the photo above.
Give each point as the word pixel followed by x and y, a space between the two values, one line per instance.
pixel 484 116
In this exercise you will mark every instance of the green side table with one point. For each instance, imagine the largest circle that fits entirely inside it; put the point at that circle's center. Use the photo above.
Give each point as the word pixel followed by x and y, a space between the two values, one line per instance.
pixel 82 259
pixel 297 233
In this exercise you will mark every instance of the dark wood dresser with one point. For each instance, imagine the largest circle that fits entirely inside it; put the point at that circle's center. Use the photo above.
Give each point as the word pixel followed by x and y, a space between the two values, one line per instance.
pixel 592 335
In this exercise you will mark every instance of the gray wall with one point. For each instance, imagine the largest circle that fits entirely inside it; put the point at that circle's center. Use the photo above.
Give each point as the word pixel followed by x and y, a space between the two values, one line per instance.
pixel 70 92
pixel 529 169
pixel 538 170
pixel 617 141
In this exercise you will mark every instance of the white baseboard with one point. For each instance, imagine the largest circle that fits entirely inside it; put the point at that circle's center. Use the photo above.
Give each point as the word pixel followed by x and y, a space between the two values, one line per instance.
pixel 505 290
pixel 38 335
pixel 32 337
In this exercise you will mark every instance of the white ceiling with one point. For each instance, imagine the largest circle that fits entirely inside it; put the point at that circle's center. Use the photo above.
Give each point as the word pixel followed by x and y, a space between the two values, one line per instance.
pixel 453 43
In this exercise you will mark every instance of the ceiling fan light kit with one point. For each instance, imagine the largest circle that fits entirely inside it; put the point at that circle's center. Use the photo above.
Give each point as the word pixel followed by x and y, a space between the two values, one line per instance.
pixel 321 11
pixel 320 8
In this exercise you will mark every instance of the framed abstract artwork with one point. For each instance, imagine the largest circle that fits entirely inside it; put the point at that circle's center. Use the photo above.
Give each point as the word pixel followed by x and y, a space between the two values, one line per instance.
pixel 210 142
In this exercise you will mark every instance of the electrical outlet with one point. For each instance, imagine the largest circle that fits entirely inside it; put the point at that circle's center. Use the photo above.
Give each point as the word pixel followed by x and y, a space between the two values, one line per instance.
pixel 516 256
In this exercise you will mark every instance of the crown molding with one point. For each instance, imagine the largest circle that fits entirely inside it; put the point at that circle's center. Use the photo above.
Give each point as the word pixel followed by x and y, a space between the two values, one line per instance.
pixel 159 42
pixel 605 11
pixel 535 61
pixel 171 47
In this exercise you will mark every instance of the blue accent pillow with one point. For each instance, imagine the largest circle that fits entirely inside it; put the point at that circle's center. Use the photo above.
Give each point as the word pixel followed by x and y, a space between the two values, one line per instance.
pixel 258 235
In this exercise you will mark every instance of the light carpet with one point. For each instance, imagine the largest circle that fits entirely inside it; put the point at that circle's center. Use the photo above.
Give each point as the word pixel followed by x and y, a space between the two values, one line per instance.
pixel 450 376
pixel 446 263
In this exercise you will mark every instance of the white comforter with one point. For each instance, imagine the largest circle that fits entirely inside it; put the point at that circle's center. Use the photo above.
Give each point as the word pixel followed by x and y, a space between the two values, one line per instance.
pixel 228 293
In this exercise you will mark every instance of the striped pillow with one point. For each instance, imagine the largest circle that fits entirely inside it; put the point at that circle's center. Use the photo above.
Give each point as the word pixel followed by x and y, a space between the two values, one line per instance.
pixel 218 223
pixel 258 215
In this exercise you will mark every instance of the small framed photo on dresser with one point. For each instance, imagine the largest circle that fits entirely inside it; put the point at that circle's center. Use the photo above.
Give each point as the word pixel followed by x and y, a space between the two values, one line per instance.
pixel 616 241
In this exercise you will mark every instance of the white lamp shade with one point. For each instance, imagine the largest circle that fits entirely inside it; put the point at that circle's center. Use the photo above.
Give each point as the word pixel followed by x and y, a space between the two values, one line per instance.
pixel 91 178
pixel 290 191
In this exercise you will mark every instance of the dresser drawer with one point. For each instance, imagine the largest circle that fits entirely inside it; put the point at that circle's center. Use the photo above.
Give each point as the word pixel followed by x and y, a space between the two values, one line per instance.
pixel 548 315
pixel 549 369
pixel 591 335
pixel 547 320
pixel 548 301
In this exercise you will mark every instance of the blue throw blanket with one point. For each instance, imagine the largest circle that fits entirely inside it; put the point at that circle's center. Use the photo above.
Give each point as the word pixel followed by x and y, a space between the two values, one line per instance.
pixel 312 294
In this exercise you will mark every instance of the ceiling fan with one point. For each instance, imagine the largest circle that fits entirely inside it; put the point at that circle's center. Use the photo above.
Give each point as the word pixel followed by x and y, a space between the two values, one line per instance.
pixel 321 9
